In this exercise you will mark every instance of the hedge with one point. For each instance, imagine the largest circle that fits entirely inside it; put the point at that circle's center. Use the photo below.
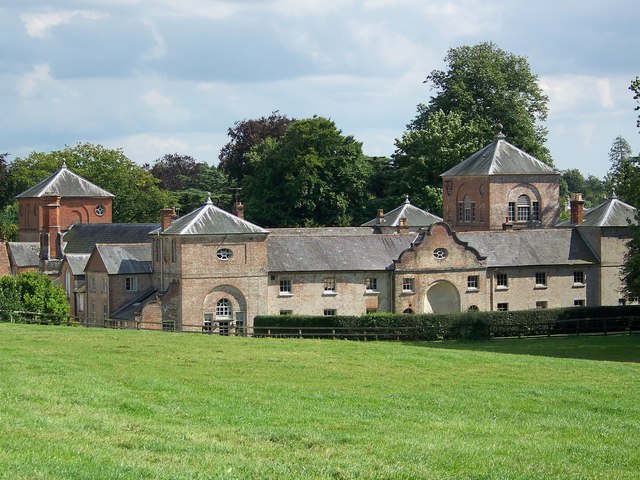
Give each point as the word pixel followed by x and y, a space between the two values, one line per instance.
pixel 461 325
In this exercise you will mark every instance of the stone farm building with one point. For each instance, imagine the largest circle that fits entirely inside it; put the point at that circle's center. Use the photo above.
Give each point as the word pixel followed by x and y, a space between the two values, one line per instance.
pixel 500 246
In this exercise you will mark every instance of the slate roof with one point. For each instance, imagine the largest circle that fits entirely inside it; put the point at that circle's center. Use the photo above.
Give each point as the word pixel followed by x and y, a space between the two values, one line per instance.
pixel 82 237
pixel 302 253
pixel 500 158
pixel 322 231
pixel 128 311
pixel 24 254
pixel 610 213
pixel 416 217
pixel 210 220
pixel 125 259
pixel 77 262
pixel 521 248
pixel 65 183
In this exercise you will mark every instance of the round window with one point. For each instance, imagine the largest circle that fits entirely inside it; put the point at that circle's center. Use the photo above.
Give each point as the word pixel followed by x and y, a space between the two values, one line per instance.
pixel 440 253
pixel 100 210
pixel 224 254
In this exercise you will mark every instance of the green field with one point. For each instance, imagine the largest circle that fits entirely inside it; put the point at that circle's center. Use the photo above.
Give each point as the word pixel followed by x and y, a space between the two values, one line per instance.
pixel 81 403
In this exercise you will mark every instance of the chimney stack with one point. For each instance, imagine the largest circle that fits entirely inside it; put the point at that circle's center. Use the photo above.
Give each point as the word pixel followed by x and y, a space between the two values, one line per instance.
pixel 403 226
pixel 577 209
pixel 50 247
pixel 238 209
pixel 166 217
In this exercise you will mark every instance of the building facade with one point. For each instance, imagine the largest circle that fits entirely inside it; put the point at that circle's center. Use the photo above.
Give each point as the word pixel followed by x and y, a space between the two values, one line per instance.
pixel 499 246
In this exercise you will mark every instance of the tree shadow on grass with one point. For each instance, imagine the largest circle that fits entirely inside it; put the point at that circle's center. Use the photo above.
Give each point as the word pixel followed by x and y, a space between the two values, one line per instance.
pixel 614 348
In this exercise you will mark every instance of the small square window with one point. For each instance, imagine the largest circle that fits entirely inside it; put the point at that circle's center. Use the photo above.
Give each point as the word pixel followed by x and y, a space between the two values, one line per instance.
pixel 578 303
pixel 622 302
pixel 541 279
pixel 472 282
pixel 502 280
pixel 578 277
pixel 503 307
pixel 131 284
pixel 329 285
pixel 371 310
pixel 541 304
pixel 286 312
pixel 408 284
pixel 329 311
pixel 371 284
pixel 285 286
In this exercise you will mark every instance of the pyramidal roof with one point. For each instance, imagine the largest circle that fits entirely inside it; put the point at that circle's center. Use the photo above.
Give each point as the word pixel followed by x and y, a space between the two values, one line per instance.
pixel 610 213
pixel 211 220
pixel 65 183
pixel 416 217
pixel 500 158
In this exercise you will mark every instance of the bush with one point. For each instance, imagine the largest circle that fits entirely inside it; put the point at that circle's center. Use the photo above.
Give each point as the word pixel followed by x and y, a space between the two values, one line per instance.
pixel 460 325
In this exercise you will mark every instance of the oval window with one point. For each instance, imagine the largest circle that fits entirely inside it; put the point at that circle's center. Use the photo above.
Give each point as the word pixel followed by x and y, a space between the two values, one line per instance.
pixel 224 254
pixel 100 209
pixel 440 253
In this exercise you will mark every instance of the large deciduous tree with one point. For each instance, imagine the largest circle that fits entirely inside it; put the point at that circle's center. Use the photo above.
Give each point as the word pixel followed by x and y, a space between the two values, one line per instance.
pixel 137 196
pixel 246 134
pixel 190 182
pixel 422 154
pixel 310 176
pixel 176 172
pixel 485 85
pixel 635 88
pixel 624 172
pixel 32 292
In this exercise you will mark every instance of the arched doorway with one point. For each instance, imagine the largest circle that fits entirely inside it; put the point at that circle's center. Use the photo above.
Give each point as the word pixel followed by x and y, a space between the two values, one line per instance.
pixel 442 297
pixel 224 310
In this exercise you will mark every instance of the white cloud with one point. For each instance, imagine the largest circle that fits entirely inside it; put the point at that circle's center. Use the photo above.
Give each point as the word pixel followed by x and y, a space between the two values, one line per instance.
pixel 38 24
pixel 568 92
pixel 29 85
pixel 159 49
pixel 157 99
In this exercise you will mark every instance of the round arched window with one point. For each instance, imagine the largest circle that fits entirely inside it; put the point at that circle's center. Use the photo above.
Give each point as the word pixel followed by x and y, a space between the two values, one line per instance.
pixel 223 308
pixel 100 210
pixel 440 253
pixel 473 308
pixel 224 254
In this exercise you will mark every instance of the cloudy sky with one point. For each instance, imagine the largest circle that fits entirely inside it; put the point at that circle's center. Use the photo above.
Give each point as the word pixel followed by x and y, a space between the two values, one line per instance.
pixel 171 76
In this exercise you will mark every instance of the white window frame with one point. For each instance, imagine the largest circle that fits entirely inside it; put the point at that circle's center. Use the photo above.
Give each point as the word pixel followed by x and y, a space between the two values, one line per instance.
pixel 329 286
pixel 502 281
pixel 408 285
pixel 371 284
pixel 473 282
pixel 579 278
pixel 131 284
pixel 286 287
pixel 541 279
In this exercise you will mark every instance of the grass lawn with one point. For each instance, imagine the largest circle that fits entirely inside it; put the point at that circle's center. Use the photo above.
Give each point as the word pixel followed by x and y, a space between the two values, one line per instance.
pixel 81 403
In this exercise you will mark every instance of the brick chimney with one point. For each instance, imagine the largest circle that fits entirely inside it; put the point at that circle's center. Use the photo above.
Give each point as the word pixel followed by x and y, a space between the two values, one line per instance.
pixel 50 247
pixel 166 217
pixel 577 209
pixel 403 226
pixel 238 209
